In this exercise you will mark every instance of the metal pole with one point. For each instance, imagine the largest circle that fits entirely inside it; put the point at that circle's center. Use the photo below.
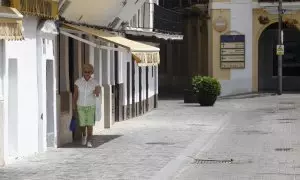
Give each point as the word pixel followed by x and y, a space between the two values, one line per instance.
pixel 279 75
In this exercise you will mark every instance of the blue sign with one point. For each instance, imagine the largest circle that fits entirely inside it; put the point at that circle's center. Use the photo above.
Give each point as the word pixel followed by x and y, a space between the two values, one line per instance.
pixel 232 38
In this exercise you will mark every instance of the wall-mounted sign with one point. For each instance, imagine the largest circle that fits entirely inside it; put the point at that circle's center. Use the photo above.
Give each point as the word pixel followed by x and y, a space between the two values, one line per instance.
pixel 280 50
pixel 232 51
pixel 220 24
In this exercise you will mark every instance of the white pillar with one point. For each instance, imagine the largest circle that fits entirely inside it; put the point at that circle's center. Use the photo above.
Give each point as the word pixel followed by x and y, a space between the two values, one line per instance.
pixel 151 18
pixel 107 106
pixel 106 67
pixel 2 65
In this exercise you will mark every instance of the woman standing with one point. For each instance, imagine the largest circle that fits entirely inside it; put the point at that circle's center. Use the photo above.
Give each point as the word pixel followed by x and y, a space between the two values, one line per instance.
pixel 86 89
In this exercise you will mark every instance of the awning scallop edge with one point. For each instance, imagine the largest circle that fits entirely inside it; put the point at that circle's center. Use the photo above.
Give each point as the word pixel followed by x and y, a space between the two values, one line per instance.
pixel 10 24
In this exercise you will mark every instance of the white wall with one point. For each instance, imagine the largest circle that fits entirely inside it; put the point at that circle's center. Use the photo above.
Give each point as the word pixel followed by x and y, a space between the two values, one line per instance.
pixel 106 67
pixel 2 65
pixel 126 57
pixel 241 79
pixel 151 81
pixel 101 12
pixel 144 20
pixel 26 57
pixel 95 12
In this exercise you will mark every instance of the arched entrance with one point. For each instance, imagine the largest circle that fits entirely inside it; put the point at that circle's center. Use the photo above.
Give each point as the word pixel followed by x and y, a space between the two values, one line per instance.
pixel 267 59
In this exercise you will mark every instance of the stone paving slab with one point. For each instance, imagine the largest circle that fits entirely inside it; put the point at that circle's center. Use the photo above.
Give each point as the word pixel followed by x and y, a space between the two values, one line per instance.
pixel 255 139
pixel 133 149
pixel 155 145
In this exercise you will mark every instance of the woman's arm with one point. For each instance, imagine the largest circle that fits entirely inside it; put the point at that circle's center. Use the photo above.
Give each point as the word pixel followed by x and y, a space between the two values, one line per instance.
pixel 75 97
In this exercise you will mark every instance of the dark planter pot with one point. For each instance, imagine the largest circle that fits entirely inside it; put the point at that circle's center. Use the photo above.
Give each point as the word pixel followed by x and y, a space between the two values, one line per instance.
pixel 205 100
pixel 189 96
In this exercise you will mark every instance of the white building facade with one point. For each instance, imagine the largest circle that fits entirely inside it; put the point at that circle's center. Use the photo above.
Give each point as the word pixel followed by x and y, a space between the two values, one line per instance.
pixel 257 21
pixel 28 86
pixel 126 69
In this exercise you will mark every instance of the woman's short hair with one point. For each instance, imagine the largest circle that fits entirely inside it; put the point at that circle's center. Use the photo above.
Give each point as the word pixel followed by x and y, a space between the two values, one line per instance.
pixel 88 67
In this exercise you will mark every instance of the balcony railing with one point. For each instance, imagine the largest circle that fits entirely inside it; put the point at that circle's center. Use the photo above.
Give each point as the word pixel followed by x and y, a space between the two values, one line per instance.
pixel 179 4
pixel 155 18
pixel 167 20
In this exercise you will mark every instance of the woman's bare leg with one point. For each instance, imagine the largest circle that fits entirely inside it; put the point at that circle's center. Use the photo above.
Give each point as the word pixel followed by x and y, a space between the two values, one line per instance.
pixel 83 130
pixel 89 132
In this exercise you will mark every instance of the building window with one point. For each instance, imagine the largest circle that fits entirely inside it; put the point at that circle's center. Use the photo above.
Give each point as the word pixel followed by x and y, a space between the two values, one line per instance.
pixel 44 45
pixel 134 23
pixel 143 16
pixel 152 71
pixel 139 19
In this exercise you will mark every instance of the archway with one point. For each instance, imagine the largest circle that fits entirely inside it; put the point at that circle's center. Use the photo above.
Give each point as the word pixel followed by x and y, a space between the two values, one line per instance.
pixel 267 59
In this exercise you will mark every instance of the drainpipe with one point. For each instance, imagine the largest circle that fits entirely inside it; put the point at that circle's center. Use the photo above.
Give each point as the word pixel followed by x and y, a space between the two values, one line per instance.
pixel 151 9
pixel 280 42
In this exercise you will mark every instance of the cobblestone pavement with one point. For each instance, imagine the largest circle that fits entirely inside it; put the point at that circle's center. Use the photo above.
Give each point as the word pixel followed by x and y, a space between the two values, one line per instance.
pixel 164 143
pixel 263 142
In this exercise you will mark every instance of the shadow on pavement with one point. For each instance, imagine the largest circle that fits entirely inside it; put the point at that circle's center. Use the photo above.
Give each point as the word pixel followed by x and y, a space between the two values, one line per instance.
pixel 98 140
pixel 192 105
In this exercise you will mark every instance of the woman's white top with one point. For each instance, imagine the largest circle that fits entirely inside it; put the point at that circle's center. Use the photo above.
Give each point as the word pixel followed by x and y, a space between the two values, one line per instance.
pixel 86 88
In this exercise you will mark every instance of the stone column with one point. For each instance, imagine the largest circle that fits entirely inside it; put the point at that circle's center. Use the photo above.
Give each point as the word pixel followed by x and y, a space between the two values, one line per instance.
pixel 107 105
pixel 107 88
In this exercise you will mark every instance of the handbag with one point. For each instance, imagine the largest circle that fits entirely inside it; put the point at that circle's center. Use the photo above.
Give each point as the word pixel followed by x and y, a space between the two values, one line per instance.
pixel 72 126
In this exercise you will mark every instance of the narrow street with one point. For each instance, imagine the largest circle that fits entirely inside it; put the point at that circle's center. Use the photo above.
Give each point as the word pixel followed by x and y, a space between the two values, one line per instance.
pixel 254 138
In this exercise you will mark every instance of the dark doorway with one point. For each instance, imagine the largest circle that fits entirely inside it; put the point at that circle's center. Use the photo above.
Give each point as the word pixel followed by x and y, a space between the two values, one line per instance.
pixel 128 91
pixel 117 86
pixel 133 88
pixel 140 91
pixel 147 88
pixel 267 59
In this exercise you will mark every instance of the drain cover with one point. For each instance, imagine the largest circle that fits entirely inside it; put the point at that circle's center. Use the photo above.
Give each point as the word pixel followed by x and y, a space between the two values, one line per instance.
pixel 267 110
pixel 286 122
pixel 198 125
pixel 212 161
pixel 287 119
pixel 287 102
pixel 284 149
pixel 286 108
pixel 160 143
pixel 249 132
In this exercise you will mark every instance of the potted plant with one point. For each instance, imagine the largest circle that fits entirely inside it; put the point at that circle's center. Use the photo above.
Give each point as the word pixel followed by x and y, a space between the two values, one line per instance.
pixel 207 89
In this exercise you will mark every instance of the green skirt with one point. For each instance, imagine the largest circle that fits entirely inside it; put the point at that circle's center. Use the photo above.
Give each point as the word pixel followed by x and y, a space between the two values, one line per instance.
pixel 86 115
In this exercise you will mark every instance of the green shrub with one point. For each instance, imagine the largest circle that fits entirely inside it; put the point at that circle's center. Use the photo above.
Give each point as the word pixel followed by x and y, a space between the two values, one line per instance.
pixel 206 86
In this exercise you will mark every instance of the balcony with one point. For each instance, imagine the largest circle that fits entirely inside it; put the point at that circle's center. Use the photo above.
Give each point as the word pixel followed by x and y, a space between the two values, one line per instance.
pixel 180 4
pixel 167 20
pixel 152 17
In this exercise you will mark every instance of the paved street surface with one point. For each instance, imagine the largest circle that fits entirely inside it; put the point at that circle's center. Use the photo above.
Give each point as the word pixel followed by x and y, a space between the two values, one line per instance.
pixel 238 139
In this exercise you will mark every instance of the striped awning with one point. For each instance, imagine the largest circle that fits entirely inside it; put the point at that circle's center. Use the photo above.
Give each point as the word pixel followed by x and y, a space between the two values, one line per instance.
pixel 10 24
pixel 143 54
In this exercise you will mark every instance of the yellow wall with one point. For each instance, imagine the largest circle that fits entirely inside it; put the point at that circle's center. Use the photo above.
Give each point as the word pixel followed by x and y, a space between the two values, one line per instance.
pixel 257 30
pixel 216 71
